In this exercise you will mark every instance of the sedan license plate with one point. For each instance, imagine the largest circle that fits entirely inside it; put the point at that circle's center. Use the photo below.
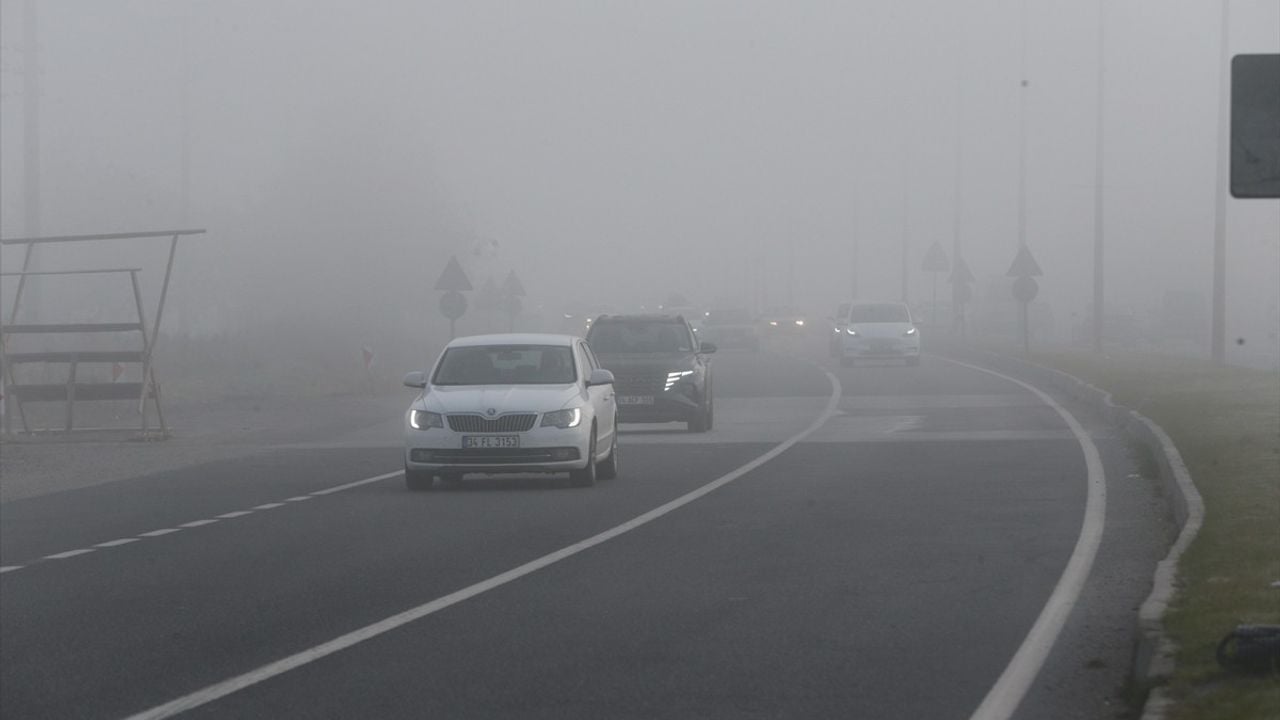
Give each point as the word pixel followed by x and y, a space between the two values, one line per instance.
pixel 635 399
pixel 490 441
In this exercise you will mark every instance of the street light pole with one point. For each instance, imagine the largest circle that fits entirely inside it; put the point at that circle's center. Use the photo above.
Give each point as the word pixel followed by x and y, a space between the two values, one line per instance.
pixel 1219 330
pixel 1098 194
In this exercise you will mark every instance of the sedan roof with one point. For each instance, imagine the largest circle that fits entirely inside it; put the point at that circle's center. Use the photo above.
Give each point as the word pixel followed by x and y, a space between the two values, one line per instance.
pixel 514 339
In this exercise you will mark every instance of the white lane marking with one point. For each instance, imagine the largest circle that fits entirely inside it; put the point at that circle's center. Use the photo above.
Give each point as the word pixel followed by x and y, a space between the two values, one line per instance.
pixel 209 521
pixel 198 523
pixel 117 543
pixel 358 483
pixel 342 642
pixel 68 554
pixel 1012 686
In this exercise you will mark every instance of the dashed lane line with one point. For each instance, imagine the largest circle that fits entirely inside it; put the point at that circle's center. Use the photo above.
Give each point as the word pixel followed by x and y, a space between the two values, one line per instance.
pixel 198 523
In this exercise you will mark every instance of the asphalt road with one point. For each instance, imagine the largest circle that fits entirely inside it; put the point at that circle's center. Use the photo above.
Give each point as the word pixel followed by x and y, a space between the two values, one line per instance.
pixel 886 566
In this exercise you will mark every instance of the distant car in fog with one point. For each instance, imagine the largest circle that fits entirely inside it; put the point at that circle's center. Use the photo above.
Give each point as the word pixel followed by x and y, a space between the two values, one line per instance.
pixel 839 321
pixel 731 328
pixel 878 331
pixel 512 403
pixel 660 367
pixel 784 320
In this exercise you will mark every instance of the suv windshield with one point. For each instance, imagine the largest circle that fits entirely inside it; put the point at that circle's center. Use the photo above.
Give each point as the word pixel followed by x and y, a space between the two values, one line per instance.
pixel 506 365
pixel 879 313
pixel 640 336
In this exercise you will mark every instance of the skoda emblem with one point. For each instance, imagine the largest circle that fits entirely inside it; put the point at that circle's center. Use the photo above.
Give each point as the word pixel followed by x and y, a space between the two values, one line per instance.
pixel 490 412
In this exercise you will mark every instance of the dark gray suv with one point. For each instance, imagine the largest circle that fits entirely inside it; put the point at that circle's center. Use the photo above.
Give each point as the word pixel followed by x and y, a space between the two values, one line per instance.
pixel 661 372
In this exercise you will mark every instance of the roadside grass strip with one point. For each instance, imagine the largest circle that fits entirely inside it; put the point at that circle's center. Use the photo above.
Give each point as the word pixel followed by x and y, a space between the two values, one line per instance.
pixel 1225 423
pixel 194 523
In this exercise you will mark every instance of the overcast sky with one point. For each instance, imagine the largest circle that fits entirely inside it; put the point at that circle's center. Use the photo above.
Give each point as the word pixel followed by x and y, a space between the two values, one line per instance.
pixel 617 152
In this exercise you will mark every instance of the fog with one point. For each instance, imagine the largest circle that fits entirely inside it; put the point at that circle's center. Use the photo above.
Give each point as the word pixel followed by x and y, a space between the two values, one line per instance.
pixel 616 153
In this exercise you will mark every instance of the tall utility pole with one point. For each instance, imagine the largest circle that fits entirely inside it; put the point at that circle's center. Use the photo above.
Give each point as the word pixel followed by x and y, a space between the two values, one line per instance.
pixel 1098 194
pixel 184 167
pixel 1022 129
pixel 906 234
pixel 1219 330
pixel 31 145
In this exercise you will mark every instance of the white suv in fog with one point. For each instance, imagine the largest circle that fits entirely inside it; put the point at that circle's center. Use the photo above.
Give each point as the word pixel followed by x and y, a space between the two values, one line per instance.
pixel 878 330
pixel 512 404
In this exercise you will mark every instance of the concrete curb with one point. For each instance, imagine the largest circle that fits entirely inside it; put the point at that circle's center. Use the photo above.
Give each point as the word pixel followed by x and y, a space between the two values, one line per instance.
pixel 1154 654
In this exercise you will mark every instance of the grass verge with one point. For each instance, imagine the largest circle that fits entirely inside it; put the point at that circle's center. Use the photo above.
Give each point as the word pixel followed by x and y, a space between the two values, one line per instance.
pixel 1226 424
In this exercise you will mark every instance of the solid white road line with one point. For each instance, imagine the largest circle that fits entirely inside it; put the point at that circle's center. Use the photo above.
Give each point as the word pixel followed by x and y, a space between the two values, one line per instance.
pixel 266 672
pixel 10 568
pixel 358 483
pixel 117 543
pixel 198 523
pixel 68 554
pixel 158 533
pixel 1012 686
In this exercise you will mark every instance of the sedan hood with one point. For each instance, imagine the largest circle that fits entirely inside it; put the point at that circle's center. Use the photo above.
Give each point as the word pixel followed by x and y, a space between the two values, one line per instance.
pixel 499 398
pixel 882 330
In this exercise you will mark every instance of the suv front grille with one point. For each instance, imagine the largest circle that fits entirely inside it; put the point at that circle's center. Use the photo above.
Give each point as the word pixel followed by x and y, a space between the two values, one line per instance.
pixel 521 422
pixel 638 384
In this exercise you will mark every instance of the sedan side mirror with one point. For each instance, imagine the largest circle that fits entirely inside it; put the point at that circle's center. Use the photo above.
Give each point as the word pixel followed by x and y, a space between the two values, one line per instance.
pixel 415 379
pixel 600 376
pixel 707 348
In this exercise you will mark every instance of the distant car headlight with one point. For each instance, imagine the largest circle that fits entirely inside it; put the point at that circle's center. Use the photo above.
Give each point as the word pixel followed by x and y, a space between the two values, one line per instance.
pixel 800 322
pixel 675 376
pixel 851 332
pixel 423 420
pixel 910 333
pixel 563 419
pixel 835 330
pixel 773 323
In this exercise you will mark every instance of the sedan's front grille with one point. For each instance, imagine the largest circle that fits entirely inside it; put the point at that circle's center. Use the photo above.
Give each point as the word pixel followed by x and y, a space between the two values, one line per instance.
pixel 480 424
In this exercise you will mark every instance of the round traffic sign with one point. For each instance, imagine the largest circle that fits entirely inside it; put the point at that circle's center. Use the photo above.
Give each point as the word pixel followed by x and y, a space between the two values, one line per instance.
pixel 453 304
pixel 1025 289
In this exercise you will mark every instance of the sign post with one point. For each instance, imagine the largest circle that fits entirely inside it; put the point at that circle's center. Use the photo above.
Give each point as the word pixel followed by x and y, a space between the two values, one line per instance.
pixel 512 291
pixel 935 261
pixel 1024 269
pixel 453 304
pixel 961 278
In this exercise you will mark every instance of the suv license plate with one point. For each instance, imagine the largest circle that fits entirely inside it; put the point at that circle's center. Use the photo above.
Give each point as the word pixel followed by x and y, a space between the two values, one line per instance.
pixel 635 399
pixel 490 441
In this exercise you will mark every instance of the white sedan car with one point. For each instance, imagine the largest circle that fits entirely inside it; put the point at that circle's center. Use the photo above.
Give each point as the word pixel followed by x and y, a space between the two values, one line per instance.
pixel 877 331
pixel 512 404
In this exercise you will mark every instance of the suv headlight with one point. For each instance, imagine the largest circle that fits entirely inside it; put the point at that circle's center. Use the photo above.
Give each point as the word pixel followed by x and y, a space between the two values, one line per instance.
pixel 851 332
pixel 675 376
pixel 423 420
pixel 562 419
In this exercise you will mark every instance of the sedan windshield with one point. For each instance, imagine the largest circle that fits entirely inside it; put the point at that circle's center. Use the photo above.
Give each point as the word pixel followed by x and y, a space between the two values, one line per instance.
pixel 879 313
pixel 506 365
pixel 640 337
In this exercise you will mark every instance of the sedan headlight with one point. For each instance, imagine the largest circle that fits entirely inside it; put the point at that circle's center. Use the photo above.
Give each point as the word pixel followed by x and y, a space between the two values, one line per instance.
pixel 676 376
pixel 910 333
pixel 423 420
pixel 851 332
pixel 563 419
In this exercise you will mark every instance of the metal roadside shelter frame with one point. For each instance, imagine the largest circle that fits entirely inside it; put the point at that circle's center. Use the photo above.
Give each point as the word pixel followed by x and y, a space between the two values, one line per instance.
pixel 72 391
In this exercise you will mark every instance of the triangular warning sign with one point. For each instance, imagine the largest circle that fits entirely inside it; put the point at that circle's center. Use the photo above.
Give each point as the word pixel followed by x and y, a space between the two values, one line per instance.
pixel 961 273
pixel 511 287
pixel 453 278
pixel 1024 265
pixel 935 260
